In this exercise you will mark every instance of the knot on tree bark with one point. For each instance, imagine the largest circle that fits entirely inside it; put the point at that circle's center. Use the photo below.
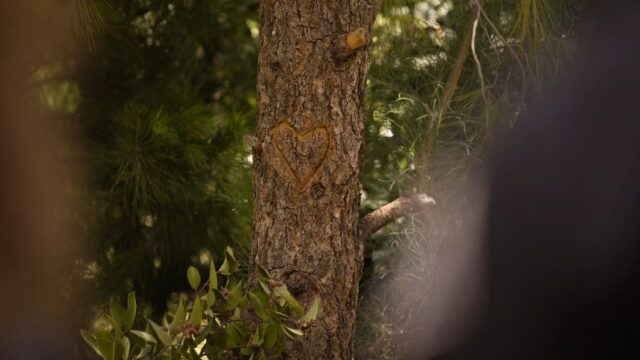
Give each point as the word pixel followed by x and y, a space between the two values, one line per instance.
pixel 296 282
pixel 254 143
pixel 345 45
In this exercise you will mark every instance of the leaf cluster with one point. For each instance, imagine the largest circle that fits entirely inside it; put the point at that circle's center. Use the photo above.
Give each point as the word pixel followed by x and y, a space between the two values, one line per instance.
pixel 224 319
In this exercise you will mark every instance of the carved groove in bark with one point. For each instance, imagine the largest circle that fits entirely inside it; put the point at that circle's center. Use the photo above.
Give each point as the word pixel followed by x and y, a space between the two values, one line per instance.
pixel 306 177
pixel 308 149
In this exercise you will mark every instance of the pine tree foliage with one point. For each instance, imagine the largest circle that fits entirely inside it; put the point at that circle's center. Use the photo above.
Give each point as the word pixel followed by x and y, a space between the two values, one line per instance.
pixel 447 78
pixel 159 94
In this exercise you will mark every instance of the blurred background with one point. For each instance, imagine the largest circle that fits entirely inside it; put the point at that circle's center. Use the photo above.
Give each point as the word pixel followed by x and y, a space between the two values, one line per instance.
pixel 123 124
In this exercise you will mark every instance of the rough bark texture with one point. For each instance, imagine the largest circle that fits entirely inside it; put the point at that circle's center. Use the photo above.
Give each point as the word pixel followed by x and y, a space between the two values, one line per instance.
pixel 307 167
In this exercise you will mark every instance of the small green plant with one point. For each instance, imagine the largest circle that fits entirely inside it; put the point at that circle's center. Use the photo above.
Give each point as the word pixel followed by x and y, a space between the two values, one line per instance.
pixel 226 319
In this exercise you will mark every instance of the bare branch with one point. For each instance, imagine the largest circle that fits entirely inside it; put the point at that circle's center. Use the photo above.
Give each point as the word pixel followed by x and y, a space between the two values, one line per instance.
pixel 456 72
pixel 477 61
pixel 385 214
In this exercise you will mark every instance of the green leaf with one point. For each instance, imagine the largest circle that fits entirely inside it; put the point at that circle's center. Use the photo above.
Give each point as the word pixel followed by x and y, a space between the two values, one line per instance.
pixel 213 276
pixel 204 332
pixel 116 326
pixel 235 295
pixel 193 354
pixel 126 348
pixel 144 352
pixel 162 335
pixel 179 317
pixel 230 264
pixel 283 293
pixel 277 314
pixel 231 255
pixel 244 302
pixel 118 313
pixel 258 337
pixel 292 333
pixel 196 312
pixel 211 298
pixel 264 287
pixel 103 345
pixel 263 273
pixel 236 315
pixel 145 336
pixel 271 332
pixel 312 313
pixel 233 338
pixel 259 305
pixel 224 268
pixel 130 315
pixel 193 275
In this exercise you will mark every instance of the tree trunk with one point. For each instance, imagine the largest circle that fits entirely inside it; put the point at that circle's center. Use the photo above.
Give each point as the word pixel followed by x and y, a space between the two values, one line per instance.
pixel 307 157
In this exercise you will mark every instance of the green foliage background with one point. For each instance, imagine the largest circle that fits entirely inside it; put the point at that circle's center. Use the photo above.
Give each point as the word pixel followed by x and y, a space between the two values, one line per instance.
pixel 158 95
pixel 424 134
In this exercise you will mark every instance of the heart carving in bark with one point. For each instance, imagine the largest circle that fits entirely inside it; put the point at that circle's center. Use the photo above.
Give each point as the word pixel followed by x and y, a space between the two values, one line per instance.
pixel 303 152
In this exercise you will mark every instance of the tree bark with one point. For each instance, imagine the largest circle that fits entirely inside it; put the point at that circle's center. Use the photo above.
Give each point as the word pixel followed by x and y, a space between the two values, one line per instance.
pixel 308 149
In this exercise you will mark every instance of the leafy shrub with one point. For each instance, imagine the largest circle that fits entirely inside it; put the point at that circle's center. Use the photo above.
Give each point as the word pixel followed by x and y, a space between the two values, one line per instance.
pixel 230 321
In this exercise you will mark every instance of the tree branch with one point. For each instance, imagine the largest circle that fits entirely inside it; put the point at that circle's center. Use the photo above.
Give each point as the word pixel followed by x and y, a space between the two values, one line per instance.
pixel 385 214
pixel 478 64
pixel 431 133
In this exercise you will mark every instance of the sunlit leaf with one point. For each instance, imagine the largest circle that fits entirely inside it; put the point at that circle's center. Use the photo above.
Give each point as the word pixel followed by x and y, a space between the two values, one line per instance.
pixel 230 264
pixel 312 313
pixel 145 336
pixel 115 325
pixel 102 345
pixel 291 333
pixel 193 276
pixel 211 298
pixel 213 276
pixel 126 348
pixel 118 313
pixel 282 292
pixel 162 335
pixel 224 268
pixel 196 313
pixel 179 317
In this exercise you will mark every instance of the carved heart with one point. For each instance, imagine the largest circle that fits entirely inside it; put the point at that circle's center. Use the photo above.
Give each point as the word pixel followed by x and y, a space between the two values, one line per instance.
pixel 303 152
